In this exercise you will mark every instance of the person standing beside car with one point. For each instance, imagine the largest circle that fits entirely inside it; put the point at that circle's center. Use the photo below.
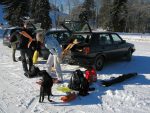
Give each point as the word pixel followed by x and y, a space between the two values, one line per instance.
pixel 14 40
pixel 54 57
pixel 26 48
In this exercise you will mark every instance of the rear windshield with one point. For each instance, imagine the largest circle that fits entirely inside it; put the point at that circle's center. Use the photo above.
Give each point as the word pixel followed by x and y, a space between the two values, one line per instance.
pixel 82 38
pixel 77 26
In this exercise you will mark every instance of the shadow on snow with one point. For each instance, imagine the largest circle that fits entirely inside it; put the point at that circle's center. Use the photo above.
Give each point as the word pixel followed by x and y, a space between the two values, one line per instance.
pixel 139 64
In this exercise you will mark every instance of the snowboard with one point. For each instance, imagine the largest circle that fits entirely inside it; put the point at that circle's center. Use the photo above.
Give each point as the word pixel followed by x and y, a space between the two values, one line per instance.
pixel 119 79
pixel 35 57
pixel 64 89
pixel 69 97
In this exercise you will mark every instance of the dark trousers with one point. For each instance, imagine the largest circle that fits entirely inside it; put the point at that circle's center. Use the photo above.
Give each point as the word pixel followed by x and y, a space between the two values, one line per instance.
pixel 26 54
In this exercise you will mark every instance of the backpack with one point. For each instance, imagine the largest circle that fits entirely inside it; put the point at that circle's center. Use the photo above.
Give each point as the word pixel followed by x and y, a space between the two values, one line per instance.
pixel 90 75
pixel 79 83
pixel 75 80
pixel 84 87
pixel 33 73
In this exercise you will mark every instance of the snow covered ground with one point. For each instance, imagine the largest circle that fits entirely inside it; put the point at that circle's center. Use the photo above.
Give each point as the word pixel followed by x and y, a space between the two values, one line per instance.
pixel 19 94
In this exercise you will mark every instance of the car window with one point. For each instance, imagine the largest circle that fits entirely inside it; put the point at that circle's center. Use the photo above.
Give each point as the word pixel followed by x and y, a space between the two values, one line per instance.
pixel 104 39
pixel 61 36
pixel 77 26
pixel 64 37
pixel 116 39
pixel 83 38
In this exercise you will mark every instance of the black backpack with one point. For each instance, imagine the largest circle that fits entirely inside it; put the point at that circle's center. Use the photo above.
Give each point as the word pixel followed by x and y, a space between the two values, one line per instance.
pixel 75 80
pixel 33 72
pixel 84 87
pixel 79 83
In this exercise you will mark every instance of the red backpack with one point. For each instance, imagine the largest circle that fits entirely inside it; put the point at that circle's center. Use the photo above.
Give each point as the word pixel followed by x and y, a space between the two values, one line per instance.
pixel 90 75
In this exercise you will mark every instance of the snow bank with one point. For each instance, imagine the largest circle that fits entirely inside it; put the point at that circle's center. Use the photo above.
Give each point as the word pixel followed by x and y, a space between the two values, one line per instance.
pixel 135 36
pixel 129 36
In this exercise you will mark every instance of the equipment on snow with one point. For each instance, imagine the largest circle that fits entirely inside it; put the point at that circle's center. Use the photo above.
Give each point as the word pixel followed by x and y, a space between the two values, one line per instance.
pixel 117 79
pixel 33 72
pixel 76 79
pixel 64 89
pixel 69 97
pixel 79 83
pixel 90 75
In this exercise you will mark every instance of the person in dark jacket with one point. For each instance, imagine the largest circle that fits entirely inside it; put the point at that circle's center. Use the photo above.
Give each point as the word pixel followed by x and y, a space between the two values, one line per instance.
pixel 26 47
pixel 14 40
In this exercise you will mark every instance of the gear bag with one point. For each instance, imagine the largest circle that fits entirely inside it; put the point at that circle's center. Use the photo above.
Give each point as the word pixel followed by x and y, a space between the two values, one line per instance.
pixel 79 83
pixel 90 75
pixel 33 73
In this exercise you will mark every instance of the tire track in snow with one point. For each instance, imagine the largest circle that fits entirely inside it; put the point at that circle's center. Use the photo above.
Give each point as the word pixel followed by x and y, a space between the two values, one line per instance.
pixel 2 110
pixel 31 104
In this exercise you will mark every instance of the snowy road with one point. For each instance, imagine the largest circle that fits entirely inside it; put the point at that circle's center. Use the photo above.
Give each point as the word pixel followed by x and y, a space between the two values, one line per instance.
pixel 19 94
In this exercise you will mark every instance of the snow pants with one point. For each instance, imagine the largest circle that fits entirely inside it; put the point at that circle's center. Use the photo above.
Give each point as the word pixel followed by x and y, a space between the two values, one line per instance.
pixel 28 53
pixel 54 60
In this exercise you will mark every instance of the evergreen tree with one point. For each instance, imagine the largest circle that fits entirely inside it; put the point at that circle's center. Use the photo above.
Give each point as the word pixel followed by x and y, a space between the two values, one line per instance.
pixel 104 17
pixel 14 10
pixel 40 12
pixel 119 15
pixel 88 12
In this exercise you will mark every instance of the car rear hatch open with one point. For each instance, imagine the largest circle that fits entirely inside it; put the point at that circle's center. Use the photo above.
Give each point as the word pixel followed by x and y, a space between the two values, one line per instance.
pixel 81 31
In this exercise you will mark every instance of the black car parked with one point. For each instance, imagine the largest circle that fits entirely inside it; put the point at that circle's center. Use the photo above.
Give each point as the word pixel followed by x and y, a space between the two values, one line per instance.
pixel 95 48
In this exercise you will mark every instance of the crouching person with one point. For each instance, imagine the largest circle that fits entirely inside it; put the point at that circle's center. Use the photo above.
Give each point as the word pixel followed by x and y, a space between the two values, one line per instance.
pixel 54 57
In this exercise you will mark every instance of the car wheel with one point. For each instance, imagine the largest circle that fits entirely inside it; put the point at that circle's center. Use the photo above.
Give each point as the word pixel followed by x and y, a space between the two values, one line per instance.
pixel 129 55
pixel 99 63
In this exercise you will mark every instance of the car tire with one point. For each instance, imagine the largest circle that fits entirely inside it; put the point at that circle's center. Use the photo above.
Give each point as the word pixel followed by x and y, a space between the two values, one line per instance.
pixel 99 63
pixel 129 55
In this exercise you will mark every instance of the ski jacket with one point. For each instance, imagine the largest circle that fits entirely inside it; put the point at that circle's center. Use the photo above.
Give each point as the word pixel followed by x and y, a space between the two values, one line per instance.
pixel 24 41
pixel 14 39
pixel 52 44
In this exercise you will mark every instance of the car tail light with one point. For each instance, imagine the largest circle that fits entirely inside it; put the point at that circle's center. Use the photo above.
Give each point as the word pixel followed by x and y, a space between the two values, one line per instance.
pixel 86 50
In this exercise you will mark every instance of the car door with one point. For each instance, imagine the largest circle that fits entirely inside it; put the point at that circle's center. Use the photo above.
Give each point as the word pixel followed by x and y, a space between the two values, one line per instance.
pixel 119 45
pixel 103 45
